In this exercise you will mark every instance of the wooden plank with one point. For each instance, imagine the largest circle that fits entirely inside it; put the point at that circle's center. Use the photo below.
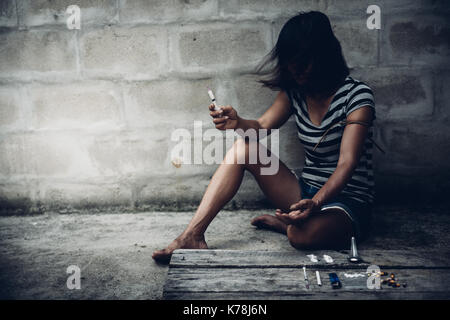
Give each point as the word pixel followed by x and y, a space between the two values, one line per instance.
pixel 288 283
pixel 291 280
pixel 263 259
pixel 290 296
pixel 235 274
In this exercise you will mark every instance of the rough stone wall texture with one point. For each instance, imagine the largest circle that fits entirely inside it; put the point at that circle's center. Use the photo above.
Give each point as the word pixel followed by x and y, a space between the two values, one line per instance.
pixel 86 115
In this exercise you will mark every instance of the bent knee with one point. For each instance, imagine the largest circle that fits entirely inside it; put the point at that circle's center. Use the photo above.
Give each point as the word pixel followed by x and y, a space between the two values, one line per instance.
pixel 238 153
pixel 241 145
pixel 300 238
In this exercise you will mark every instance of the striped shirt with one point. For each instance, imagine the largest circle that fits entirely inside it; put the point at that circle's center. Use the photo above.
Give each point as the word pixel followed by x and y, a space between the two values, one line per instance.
pixel 322 162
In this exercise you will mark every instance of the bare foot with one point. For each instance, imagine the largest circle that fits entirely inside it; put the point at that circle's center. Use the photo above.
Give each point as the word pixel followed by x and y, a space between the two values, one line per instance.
pixel 182 242
pixel 267 221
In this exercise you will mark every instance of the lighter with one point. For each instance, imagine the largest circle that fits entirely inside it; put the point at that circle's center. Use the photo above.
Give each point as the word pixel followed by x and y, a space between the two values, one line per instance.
pixel 334 280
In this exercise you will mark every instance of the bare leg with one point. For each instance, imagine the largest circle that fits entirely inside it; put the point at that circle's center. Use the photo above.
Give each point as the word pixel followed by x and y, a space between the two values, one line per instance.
pixel 331 229
pixel 281 188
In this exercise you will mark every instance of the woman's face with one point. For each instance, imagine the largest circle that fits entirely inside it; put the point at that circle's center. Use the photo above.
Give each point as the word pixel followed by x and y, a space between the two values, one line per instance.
pixel 300 78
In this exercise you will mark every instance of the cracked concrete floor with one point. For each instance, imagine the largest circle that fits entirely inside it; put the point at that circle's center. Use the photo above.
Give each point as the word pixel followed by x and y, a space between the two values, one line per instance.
pixel 114 251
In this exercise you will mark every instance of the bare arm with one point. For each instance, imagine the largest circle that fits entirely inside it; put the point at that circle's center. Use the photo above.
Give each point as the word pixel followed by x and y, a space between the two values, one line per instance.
pixel 351 148
pixel 273 118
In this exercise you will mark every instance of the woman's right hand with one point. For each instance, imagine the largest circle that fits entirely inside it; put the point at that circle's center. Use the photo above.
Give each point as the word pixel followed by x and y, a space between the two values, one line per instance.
pixel 225 118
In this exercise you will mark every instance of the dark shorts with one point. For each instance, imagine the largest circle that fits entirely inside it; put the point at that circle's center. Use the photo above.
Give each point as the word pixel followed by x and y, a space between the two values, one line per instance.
pixel 359 213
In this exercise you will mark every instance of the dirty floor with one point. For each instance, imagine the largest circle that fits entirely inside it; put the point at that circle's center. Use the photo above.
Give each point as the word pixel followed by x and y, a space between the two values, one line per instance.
pixel 113 251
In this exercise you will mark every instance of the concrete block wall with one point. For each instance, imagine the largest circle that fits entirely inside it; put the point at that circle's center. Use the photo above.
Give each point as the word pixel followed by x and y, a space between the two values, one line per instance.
pixel 86 115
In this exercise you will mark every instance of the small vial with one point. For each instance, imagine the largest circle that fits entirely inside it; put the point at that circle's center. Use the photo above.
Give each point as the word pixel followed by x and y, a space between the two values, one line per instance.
pixel 319 281
pixel 213 99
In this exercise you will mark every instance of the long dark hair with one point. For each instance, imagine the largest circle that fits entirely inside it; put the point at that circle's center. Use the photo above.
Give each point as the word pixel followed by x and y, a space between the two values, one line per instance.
pixel 306 39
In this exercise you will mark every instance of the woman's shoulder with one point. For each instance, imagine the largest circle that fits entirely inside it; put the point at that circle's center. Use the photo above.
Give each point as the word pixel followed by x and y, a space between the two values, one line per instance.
pixel 358 94
pixel 355 84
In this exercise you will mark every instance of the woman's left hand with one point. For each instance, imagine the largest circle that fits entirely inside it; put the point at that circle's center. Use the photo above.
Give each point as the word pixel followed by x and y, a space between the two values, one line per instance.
pixel 299 211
